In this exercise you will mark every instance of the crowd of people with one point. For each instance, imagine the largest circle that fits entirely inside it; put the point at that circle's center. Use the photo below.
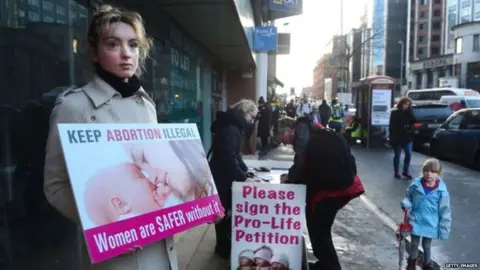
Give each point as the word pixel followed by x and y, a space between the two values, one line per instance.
pixel 334 116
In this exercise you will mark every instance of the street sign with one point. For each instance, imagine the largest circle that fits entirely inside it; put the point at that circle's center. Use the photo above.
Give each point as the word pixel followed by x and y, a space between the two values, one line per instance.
pixel 284 8
pixel 265 39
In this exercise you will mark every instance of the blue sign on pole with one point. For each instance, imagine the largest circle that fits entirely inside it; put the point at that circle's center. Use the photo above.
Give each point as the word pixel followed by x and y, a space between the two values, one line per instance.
pixel 265 39
pixel 287 6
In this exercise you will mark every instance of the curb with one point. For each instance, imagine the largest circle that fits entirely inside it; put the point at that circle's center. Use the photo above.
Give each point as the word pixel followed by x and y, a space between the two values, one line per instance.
pixel 390 222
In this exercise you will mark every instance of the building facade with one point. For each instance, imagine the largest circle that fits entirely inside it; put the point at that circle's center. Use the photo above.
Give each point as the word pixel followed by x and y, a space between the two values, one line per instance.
pixel 197 66
pixel 326 68
pixel 434 50
pixel 466 58
pixel 426 60
pixel 389 29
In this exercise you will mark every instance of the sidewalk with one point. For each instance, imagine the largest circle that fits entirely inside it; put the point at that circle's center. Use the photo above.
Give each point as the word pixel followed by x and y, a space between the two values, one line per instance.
pixel 362 241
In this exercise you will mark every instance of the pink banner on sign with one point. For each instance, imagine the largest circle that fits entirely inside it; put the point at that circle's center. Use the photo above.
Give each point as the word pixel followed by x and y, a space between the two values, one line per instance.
pixel 111 240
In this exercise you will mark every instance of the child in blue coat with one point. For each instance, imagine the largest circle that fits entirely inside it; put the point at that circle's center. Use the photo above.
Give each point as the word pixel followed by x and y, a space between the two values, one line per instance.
pixel 428 202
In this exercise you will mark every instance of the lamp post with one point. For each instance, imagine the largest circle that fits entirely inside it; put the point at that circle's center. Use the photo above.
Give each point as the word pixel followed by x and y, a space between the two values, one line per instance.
pixel 401 61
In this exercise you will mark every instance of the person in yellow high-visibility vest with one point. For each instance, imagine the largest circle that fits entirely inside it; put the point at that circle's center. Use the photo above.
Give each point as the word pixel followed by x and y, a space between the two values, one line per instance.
pixel 336 118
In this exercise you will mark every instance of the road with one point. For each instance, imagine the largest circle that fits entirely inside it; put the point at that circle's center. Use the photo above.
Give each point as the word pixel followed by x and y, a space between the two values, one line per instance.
pixel 375 170
pixel 362 240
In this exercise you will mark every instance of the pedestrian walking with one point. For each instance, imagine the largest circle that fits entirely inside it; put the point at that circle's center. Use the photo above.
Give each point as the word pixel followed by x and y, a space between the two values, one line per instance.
pixel 428 202
pixel 324 163
pixel 264 123
pixel 290 109
pixel 303 107
pixel 325 112
pixel 337 117
pixel 401 132
pixel 226 163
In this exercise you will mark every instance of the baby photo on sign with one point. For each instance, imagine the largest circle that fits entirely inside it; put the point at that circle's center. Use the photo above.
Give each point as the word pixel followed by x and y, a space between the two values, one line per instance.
pixel 264 258
pixel 143 178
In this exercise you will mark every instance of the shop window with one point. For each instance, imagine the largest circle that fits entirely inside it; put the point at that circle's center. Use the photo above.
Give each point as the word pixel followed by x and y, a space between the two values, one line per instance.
pixel 476 43
pixel 39 63
pixel 35 3
pixel 47 5
pixel 33 16
pixel 458 45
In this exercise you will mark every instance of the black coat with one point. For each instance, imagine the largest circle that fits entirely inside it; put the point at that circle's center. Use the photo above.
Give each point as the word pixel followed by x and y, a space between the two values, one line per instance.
pixel 264 121
pixel 401 126
pixel 325 113
pixel 226 162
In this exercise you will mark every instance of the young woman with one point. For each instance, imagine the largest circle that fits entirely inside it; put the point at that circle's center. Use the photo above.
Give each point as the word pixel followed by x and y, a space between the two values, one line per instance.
pixel 118 49
pixel 401 135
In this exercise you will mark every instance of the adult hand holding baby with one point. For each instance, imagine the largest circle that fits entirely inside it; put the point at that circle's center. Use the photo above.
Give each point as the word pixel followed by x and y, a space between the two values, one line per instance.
pixel 143 158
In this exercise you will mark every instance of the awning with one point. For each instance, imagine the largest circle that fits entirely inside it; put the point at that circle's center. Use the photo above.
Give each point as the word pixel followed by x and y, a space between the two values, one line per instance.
pixel 214 23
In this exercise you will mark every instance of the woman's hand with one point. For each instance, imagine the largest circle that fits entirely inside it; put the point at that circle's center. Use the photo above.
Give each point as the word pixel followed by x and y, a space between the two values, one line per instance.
pixel 284 178
pixel 132 251
pixel 218 218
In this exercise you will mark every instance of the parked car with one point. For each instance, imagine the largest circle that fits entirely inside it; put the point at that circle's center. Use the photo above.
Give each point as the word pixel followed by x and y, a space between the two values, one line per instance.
pixel 428 118
pixel 459 138
pixel 461 102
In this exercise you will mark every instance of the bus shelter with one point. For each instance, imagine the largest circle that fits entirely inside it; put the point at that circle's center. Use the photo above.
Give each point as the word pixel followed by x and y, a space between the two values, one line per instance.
pixel 373 101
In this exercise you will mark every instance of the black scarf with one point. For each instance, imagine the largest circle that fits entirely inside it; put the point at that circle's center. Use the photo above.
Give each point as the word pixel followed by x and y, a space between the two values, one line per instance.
pixel 126 89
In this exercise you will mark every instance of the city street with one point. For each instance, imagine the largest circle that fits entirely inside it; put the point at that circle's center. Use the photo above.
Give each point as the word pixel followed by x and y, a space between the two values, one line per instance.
pixel 375 169
pixel 386 192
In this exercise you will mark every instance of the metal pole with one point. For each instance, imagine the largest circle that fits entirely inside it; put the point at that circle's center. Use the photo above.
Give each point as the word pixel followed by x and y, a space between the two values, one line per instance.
pixel 341 17
pixel 342 72
pixel 401 64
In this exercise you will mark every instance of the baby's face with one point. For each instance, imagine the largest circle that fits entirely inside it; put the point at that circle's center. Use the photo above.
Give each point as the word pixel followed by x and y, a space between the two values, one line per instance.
pixel 244 261
pixel 279 266
pixel 137 192
pixel 261 262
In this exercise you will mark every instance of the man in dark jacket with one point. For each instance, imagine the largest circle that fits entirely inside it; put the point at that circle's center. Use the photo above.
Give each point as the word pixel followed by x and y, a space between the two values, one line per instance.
pixel 226 163
pixel 264 124
pixel 401 133
pixel 325 112
pixel 290 109
pixel 322 205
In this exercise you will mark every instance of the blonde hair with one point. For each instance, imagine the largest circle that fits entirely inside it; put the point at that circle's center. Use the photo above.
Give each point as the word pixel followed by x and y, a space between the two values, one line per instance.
pixel 246 106
pixel 106 15
pixel 433 165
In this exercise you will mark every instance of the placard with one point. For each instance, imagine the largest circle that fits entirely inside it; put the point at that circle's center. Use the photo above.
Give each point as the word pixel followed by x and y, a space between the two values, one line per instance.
pixel 267 226
pixel 135 184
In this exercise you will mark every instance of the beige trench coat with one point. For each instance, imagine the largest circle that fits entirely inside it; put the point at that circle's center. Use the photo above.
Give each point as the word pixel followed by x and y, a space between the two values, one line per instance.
pixel 98 102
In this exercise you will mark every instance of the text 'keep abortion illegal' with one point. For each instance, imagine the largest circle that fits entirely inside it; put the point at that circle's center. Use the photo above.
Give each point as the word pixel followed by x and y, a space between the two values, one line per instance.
pixel 76 136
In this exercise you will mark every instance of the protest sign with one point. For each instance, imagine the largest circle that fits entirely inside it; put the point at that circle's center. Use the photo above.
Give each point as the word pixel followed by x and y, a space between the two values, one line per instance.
pixel 135 184
pixel 267 226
